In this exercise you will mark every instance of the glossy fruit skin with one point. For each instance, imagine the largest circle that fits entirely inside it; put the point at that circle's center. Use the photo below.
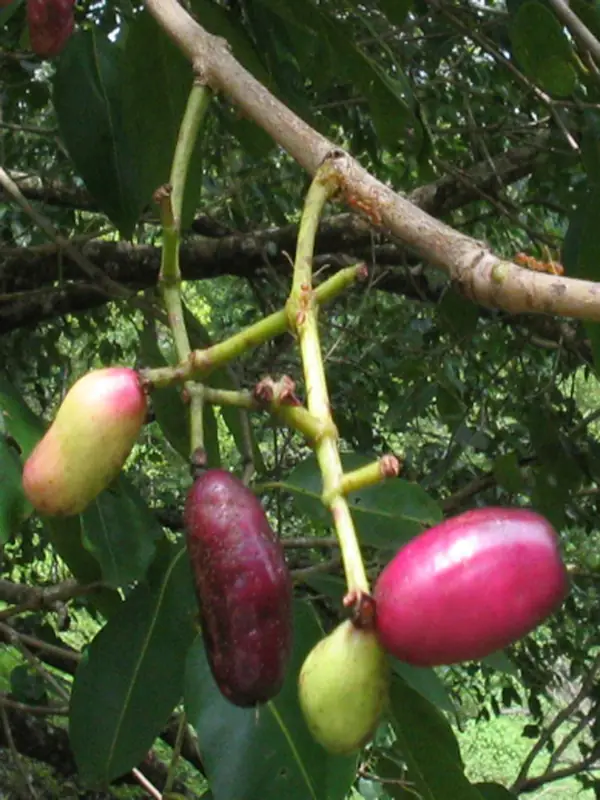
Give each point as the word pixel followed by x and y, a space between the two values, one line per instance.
pixel 469 586
pixel 86 446
pixel 50 24
pixel 343 688
pixel 243 586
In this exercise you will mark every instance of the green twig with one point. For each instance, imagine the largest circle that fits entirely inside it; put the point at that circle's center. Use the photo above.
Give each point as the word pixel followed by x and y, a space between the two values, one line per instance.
pixel 302 311
pixel 170 200
pixel 176 753
pixel 201 363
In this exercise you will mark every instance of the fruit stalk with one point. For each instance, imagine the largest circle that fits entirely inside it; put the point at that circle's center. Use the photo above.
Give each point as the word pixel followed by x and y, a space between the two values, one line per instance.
pixel 202 362
pixel 170 200
pixel 302 312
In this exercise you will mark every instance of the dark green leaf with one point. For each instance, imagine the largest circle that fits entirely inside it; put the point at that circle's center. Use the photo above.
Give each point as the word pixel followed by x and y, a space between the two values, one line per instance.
pixel 396 10
pixel 386 515
pixel 270 752
pixel 501 662
pixel 121 533
pixel 458 315
pixel 27 685
pixel 14 507
pixel 152 119
pixel 94 131
pixel 426 682
pixel 508 473
pixel 581 254
pixel 422 731
pixel 542 49
pixel 131 676
pixel 18 419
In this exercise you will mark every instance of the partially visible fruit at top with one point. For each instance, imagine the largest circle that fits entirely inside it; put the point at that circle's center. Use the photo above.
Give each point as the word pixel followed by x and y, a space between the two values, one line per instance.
pixel 343 688
pixel 50 24
pixel 86 446
pixel 469 586
pixel 243 586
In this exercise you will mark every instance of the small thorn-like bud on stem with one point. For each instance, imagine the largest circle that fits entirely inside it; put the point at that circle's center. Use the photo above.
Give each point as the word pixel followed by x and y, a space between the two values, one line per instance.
pixel 276 393
pixel 387 466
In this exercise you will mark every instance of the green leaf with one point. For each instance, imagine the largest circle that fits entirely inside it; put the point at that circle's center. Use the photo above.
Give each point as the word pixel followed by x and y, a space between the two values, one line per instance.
pixel 14 507
pixel 18 419
pixel 396 10
pixel 390 99
pixel 270 753
pixel 458 315
pixel 152 119
pixel 426 682
pixel 590 145
pixel 581 253
pixel 542 49
pixel 507 472
pixel 121 533
pixel 502 663
pixel 427 743
pixel 94 131
pixel 386 515
pixel 131 676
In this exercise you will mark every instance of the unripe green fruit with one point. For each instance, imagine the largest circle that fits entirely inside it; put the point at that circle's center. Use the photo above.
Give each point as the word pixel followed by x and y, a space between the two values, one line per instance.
pixel 86 446
pixel 343 688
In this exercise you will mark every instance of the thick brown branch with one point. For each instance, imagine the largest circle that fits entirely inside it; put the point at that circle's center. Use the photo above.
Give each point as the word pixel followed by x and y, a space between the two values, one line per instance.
pixel 481 275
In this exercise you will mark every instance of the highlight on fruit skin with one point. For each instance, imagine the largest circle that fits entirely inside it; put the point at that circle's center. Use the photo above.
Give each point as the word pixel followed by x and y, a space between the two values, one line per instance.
pixel 343 688
pixel 243 586
pixel 88 442
pixel 469 586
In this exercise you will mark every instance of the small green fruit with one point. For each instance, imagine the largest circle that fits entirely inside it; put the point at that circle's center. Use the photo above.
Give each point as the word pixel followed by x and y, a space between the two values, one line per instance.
pixel 343 688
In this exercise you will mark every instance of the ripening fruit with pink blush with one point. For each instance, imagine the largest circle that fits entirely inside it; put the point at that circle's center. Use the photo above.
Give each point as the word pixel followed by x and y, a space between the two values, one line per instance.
pixel 469 586
pixel 86 446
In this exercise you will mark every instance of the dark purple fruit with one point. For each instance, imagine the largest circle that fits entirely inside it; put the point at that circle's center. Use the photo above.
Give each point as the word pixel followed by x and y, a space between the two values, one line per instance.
pixel 243 586
pixel 469 586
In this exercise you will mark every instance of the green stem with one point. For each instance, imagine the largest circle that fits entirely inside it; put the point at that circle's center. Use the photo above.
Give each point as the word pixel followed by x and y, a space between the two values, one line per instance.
pixel 201 362
pixel 296 417
pixel 169 280
pixel 386 467
pixel 302 310
pixel 176 753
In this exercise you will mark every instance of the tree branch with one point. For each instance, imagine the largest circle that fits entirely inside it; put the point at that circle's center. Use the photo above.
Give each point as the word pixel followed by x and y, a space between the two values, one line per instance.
pixel 479 274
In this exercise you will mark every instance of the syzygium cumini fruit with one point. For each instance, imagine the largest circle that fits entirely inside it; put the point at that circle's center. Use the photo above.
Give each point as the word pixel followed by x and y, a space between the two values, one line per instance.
pixel 343 688
pixel 88 442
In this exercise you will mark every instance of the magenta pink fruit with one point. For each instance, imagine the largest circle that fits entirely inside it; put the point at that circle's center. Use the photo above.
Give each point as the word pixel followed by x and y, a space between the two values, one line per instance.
pixel 469 586
pixel 243 586
pixel 50 25
pixel 86 446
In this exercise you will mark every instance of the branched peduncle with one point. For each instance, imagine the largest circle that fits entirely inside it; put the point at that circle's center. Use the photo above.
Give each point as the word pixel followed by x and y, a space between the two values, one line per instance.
pixel 200 363
pixel 170 200
pixel 302 311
